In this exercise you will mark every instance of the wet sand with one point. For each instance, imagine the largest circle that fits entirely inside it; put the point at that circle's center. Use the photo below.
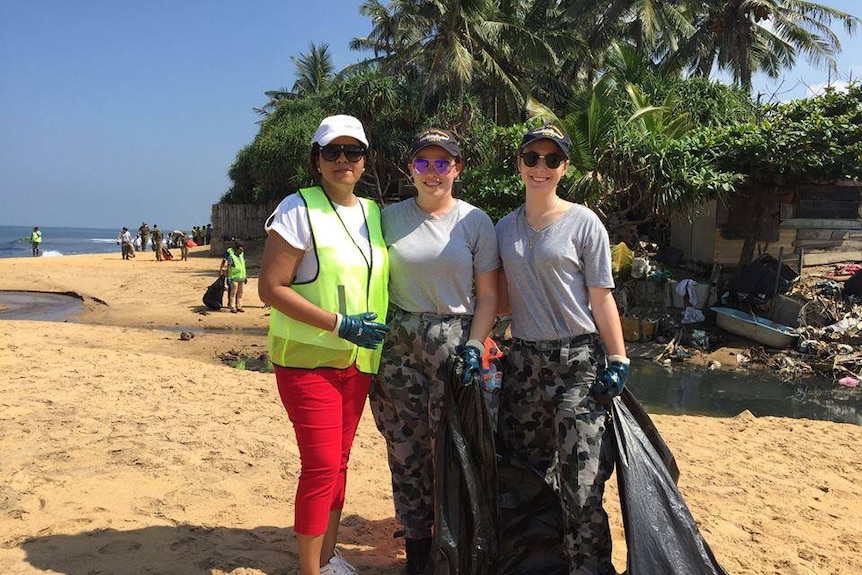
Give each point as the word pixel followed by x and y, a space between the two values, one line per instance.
pixel 127 450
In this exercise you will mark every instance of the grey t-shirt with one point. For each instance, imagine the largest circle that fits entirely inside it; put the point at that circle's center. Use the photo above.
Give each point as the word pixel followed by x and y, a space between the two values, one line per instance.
pixel 548 272
pixel 432 259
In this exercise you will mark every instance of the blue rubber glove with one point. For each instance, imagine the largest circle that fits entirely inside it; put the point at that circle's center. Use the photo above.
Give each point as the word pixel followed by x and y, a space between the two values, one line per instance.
pixel 611 381
pixel 471 353
pixel 362 330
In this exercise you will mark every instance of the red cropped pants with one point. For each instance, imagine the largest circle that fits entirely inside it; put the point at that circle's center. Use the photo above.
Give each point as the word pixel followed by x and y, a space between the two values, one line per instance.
pixel 325 406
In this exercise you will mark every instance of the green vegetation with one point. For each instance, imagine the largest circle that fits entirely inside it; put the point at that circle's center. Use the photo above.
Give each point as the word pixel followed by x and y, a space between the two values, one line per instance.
pixel 626 78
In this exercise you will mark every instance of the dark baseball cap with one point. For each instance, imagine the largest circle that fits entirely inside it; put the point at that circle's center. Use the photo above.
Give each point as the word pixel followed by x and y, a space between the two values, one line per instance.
pixel 435 137
pixel 547 132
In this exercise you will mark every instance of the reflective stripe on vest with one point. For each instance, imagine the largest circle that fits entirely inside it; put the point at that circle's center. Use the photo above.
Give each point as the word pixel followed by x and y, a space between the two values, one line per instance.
pixel 344 284
pixel 237 265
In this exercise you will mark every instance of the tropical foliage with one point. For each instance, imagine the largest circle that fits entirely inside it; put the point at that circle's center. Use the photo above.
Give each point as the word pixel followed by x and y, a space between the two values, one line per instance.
pixel 628 79
pixel 746 36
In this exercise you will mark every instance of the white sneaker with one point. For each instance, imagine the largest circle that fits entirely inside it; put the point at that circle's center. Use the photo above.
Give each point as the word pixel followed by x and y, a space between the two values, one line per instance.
pixel 338 566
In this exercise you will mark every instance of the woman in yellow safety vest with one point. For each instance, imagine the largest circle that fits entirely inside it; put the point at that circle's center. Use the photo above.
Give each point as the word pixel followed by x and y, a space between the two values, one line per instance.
pixel 324 273
pixel 234 261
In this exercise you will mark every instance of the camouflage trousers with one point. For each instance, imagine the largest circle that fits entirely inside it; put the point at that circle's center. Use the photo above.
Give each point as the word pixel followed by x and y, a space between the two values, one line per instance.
pixel 549 418
pixel 407 400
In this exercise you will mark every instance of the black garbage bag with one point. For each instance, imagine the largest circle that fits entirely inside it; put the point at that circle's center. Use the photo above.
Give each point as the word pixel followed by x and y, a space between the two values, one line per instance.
pixel 531 516
pixel 651 432
pixel 661 535
pixel 214 296
pixel 531 521
pixel 465 481
pixel 762 279
pixel 853 286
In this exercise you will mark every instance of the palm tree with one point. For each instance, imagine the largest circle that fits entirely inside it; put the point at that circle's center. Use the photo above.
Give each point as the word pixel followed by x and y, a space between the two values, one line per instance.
pixel 274 97
pixel 654 27
pixel 314 70
pixel 449 48
pixel 748 36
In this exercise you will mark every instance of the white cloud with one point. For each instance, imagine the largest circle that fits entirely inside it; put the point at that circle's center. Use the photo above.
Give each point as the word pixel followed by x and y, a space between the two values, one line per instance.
pixel 820 89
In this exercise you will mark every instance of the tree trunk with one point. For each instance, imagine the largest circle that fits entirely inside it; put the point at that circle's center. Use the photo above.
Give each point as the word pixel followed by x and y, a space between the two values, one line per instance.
pixel 758 230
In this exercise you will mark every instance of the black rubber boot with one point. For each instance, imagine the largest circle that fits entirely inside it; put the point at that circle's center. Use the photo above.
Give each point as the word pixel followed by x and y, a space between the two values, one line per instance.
pixel 418 555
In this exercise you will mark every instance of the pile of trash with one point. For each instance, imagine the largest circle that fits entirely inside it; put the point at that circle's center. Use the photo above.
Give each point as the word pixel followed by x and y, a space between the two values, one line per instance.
pixel 822 308
pixel 830 331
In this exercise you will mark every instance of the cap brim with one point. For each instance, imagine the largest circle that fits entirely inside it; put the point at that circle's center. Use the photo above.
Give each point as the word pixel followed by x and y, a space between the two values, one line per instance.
pixel 327 139
pixel 561 145
pixel 446 146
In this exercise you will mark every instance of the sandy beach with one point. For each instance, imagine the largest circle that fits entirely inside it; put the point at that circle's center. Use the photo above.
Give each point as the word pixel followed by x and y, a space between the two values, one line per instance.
pixel 126 450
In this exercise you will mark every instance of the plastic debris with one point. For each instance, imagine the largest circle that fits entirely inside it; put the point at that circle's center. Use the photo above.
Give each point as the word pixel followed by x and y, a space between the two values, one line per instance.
pixel 848 382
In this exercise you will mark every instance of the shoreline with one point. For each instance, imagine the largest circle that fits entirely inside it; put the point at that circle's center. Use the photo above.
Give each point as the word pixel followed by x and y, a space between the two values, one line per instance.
pixel 127 449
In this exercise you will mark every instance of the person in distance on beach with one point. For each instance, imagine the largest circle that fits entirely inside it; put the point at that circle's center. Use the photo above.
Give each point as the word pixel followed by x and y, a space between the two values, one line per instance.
pixel 125 241
pixel 443 289
pixel 234 262
pixel 184 247
pixel 324 273
pixel 144 232
pixel 36 242
pixel 158 238
pixel 568 357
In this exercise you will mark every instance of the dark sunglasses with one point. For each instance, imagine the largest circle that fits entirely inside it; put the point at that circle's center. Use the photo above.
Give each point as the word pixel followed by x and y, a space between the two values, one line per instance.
pixel 352 153
pixel 442 167
pixel 552 160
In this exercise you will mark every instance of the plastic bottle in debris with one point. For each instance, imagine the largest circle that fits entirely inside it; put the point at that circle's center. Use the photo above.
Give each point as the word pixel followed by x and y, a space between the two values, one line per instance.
pixel 492 377
pixel 492 371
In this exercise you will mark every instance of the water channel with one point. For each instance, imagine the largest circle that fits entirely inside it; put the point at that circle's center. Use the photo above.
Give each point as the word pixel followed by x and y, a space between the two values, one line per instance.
pixel 679 390
pixel 726 394
pixel 39 306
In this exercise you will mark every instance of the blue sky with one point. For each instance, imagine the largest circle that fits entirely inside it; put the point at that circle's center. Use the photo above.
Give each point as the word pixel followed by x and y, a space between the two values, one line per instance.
pixel 115 112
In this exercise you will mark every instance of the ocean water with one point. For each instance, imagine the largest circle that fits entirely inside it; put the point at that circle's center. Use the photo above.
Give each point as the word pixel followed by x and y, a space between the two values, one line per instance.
pixel 56 241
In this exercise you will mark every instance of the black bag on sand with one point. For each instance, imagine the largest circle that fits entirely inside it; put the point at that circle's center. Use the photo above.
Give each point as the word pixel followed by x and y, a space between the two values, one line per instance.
pixel 214 295
pixel 661 535
pixel 465 481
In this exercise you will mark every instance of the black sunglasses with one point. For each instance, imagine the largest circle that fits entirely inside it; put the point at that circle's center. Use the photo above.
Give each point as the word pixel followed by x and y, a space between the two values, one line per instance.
pixel 552 160
pixel 353 153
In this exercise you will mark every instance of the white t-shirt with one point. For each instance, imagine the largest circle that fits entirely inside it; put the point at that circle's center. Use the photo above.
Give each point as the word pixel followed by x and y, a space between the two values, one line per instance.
pixel 290 221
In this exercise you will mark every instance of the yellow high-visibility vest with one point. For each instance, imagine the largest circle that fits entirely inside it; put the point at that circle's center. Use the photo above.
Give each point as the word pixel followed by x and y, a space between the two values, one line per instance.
pixel 347 282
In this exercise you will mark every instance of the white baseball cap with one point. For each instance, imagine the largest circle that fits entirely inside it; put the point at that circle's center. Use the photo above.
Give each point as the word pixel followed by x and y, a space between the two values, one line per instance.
pixel 336 126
